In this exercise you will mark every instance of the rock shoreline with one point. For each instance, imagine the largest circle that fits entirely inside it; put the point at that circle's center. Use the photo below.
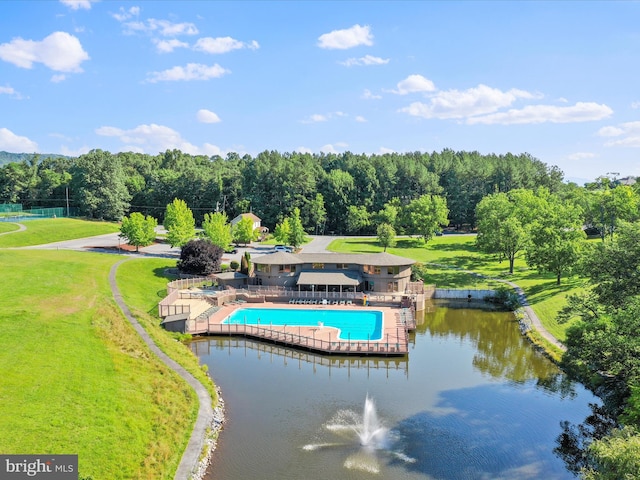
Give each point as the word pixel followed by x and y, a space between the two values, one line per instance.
pixel 211 440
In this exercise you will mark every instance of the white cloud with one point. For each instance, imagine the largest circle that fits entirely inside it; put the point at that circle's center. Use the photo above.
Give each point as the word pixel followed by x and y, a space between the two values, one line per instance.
pixel 123 14
pixel 367 95
pixel 77 4
pixel 164 28
pixel 627 134
pixel 581 155
pixel 191 71
pixel 580 112
pixel 480 100
pixel 60 51
pixel 329 148
pixel 315 118
pixel 303 150
pixel 413 84
pixel 347 38
pixel 207 116
pixel 58 77
pixel 323 117
pixel 222 45
pixel 364 61
pixel 384 150
pixel 156 138
pixel 64 150
pixel 10 142
pixel 360 119
pixel 635 105
pixel 10 91
pixel 168 46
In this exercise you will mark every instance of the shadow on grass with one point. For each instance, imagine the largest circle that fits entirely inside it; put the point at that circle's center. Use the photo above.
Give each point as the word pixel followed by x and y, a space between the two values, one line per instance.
pixel 163 272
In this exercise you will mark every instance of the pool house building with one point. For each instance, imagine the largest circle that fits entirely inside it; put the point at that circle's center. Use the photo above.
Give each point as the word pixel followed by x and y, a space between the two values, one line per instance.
pixel 334 272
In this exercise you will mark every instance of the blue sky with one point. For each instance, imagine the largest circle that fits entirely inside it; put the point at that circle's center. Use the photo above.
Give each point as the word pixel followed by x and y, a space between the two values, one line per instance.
pixel 559 80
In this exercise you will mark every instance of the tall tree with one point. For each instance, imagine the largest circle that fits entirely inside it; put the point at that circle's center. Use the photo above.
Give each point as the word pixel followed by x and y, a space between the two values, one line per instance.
pixel 98 186
pixel 358 219
pixel 557 239
pixel 282 232
pixel 500 230
pixel 296 237
pixel 386 235
pixel 217 229
pixel 427 214
pixel 243 231
pixel 317 213
pixel 179 222
pixel 138 230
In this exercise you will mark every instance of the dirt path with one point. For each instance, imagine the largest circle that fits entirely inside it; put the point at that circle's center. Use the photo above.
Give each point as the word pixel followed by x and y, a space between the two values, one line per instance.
pixel 191 456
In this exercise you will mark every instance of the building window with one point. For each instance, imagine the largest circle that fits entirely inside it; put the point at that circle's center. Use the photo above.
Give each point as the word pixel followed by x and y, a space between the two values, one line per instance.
pixel 342 266
pixel 393 270
pixel 376 270
pixel 263 268
pixel 287 268
pixel 318 266
pixel 392 287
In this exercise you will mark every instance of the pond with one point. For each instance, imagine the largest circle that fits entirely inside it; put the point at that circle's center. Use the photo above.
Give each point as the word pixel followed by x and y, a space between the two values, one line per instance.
pixel 472 400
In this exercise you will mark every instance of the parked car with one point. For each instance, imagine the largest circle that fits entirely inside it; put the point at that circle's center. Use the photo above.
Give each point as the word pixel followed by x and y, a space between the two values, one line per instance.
pixel 282 248
pixel 231 250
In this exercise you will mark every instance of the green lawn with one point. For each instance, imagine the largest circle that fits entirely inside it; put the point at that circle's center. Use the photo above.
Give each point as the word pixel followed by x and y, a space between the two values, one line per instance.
pixel 449 257
pixel 76 378
pixel 8 227
pixel 51 230
pixel 143 283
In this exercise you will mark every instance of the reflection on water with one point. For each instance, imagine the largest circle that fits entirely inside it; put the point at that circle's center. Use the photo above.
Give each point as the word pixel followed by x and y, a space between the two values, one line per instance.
pixel 472 400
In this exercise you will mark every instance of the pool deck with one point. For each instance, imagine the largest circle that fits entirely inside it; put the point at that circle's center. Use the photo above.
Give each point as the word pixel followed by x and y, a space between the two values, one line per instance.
pixel 323 339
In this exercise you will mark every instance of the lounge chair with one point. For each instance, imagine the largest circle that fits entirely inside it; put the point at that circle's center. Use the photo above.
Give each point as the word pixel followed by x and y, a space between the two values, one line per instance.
pixel 342 302
pixel 324 301
pixel 349 302
pixel 292 300
pixel 335 302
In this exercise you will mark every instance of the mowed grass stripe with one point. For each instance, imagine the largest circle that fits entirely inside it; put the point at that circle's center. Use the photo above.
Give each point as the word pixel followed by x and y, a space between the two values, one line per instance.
pixel 76 378
pixel 52 230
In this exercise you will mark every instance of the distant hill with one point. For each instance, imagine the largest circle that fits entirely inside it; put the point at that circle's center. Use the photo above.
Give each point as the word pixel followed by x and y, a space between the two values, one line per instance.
pixel 7 157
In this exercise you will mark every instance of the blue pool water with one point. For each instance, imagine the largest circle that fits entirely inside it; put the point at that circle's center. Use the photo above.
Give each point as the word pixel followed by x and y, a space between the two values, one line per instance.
pixel 352 324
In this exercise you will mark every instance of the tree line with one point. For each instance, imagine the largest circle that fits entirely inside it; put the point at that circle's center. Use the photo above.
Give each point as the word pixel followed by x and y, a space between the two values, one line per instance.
pixel 339 193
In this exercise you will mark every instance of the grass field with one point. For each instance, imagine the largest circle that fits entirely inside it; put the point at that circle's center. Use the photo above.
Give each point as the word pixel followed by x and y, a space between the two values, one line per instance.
pixel 8 227
pixel 51 230
pixel 76 378
pixel 456 255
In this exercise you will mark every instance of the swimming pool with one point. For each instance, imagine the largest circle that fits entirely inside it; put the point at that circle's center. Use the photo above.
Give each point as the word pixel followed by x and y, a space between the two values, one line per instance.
pixel 351 324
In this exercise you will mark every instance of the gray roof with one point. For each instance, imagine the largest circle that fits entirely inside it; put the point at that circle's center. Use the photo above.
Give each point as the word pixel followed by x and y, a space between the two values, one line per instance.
pixel 382 259
pixel 329 277
pixel 174 318
pixel 229 275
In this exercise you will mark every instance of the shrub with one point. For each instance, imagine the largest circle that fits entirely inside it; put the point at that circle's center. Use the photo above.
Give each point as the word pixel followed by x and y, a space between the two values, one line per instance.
pixel 200 257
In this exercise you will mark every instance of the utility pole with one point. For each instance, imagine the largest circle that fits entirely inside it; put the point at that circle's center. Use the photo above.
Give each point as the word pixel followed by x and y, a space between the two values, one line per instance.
pixel 67 194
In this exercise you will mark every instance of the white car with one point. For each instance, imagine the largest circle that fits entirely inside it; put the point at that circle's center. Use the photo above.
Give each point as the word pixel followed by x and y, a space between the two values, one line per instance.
pixel 282 248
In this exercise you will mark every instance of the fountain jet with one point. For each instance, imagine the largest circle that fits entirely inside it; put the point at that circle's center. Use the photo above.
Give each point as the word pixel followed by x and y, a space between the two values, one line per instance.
pixel 371 433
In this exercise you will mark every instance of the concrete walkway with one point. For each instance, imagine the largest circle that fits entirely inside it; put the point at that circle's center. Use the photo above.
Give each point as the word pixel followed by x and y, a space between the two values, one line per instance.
pixel 191 456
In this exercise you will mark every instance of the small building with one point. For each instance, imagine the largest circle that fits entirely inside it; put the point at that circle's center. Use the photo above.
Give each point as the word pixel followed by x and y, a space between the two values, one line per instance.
pixel 231 279
pixel 334 272
pixel 257 221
